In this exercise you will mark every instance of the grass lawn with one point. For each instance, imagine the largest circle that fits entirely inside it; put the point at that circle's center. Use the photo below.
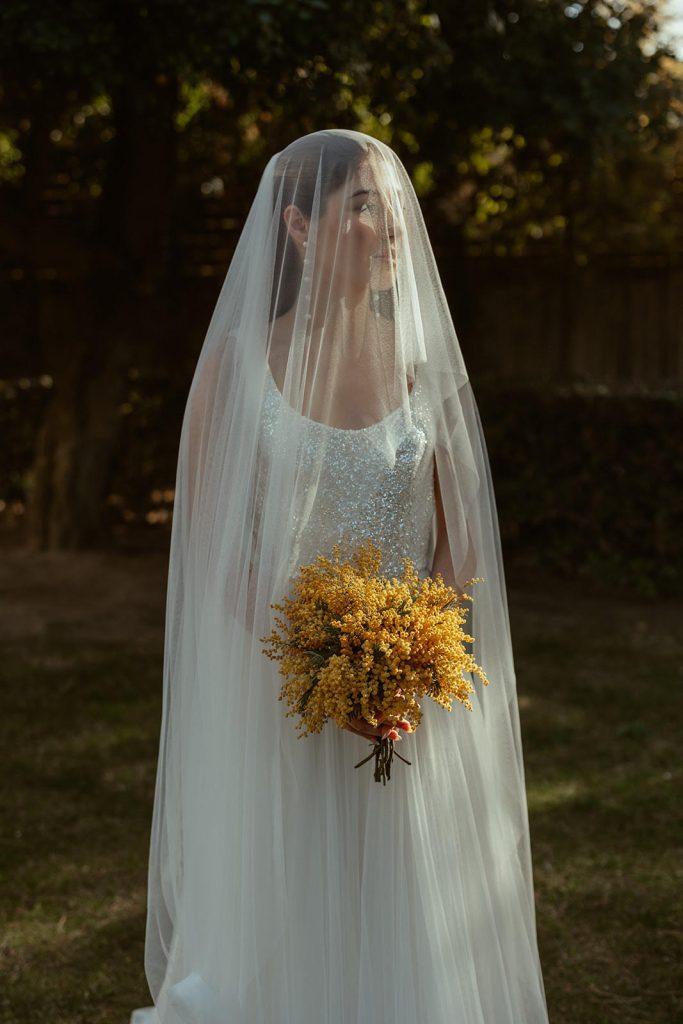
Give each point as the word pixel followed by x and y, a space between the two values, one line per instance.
pixel 601 723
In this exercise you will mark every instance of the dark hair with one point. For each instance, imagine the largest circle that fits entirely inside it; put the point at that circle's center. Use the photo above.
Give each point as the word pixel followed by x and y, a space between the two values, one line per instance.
pixel 327 155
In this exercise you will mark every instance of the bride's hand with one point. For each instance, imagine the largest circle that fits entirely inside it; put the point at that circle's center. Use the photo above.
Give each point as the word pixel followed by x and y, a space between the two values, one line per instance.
pixel 361 727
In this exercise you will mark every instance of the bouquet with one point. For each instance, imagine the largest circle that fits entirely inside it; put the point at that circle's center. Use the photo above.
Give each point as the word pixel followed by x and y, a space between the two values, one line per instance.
pixel 359 644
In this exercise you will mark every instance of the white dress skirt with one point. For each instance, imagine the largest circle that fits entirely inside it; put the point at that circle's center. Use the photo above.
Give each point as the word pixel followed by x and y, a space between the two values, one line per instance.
pixel 403 906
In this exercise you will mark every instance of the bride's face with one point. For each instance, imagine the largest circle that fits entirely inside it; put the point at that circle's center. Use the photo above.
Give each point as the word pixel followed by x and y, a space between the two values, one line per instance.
pixel 355 243
pixel 358 235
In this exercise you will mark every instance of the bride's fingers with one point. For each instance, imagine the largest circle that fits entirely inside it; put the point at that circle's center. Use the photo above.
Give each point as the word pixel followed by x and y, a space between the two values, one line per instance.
pixel 390 732
pixel 383 729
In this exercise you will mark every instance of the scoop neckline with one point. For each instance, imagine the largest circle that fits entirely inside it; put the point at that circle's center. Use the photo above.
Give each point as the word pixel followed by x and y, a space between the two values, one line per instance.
pixel 328 426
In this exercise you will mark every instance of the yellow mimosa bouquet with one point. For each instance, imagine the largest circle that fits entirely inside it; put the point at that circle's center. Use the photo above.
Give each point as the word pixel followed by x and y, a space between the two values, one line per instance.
pixel 357 643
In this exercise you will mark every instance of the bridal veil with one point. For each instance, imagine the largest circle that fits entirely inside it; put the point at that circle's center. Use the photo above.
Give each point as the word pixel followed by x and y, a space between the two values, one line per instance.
pixel 285 887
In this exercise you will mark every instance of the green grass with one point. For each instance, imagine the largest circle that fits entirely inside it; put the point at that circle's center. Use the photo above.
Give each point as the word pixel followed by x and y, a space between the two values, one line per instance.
pixel 79 734
pixel 599 678
pixel 601 725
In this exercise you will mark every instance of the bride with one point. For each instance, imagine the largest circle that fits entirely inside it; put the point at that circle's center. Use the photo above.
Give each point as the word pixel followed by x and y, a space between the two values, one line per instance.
pixel 331 404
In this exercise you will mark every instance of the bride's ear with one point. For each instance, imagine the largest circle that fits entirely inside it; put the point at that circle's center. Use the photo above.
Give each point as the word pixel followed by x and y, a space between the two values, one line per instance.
pixel 297 225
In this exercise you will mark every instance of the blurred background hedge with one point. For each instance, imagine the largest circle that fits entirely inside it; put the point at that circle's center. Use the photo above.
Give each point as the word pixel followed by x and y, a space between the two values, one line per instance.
pixel 588 480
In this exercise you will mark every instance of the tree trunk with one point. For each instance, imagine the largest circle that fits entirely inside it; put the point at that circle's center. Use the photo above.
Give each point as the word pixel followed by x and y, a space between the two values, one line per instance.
pixel 106 324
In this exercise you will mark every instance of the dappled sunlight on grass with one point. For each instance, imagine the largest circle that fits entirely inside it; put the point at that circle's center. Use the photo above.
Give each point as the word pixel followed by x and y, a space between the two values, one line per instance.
pixel 544 795
pixel 41 927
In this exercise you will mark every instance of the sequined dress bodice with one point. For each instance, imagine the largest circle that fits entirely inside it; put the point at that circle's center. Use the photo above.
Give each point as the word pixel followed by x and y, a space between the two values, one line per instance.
pixel 375 481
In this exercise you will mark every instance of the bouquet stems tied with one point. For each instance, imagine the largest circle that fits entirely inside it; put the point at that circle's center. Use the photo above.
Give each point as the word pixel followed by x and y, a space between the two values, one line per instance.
pixel 383 752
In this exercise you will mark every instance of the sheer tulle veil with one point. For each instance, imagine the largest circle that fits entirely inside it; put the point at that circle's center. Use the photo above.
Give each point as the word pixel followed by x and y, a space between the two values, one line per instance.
pixel 285 887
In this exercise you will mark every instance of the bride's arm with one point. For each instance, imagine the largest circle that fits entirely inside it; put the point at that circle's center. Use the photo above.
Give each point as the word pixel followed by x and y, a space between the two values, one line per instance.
pixel 207 413
pixel 442 561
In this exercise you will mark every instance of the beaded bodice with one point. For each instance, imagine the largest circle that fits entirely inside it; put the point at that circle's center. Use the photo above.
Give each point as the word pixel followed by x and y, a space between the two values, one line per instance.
pixel 374 481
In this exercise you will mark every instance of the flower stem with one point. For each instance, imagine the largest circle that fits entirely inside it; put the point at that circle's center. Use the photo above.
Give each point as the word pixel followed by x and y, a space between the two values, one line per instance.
pixel 383 752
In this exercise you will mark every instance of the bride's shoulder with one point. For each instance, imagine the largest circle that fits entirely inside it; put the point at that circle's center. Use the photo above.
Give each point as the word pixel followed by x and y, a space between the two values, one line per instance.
pixel 217 366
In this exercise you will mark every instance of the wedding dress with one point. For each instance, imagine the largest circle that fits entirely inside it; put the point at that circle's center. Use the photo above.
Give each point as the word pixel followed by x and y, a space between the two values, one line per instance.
pixel 286 886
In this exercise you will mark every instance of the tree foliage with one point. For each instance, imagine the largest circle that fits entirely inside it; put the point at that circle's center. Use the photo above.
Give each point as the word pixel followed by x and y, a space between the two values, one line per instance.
pixel 520 118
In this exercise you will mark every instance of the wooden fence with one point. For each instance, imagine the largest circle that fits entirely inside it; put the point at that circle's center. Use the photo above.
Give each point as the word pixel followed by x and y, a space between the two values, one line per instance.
pixel 616 320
